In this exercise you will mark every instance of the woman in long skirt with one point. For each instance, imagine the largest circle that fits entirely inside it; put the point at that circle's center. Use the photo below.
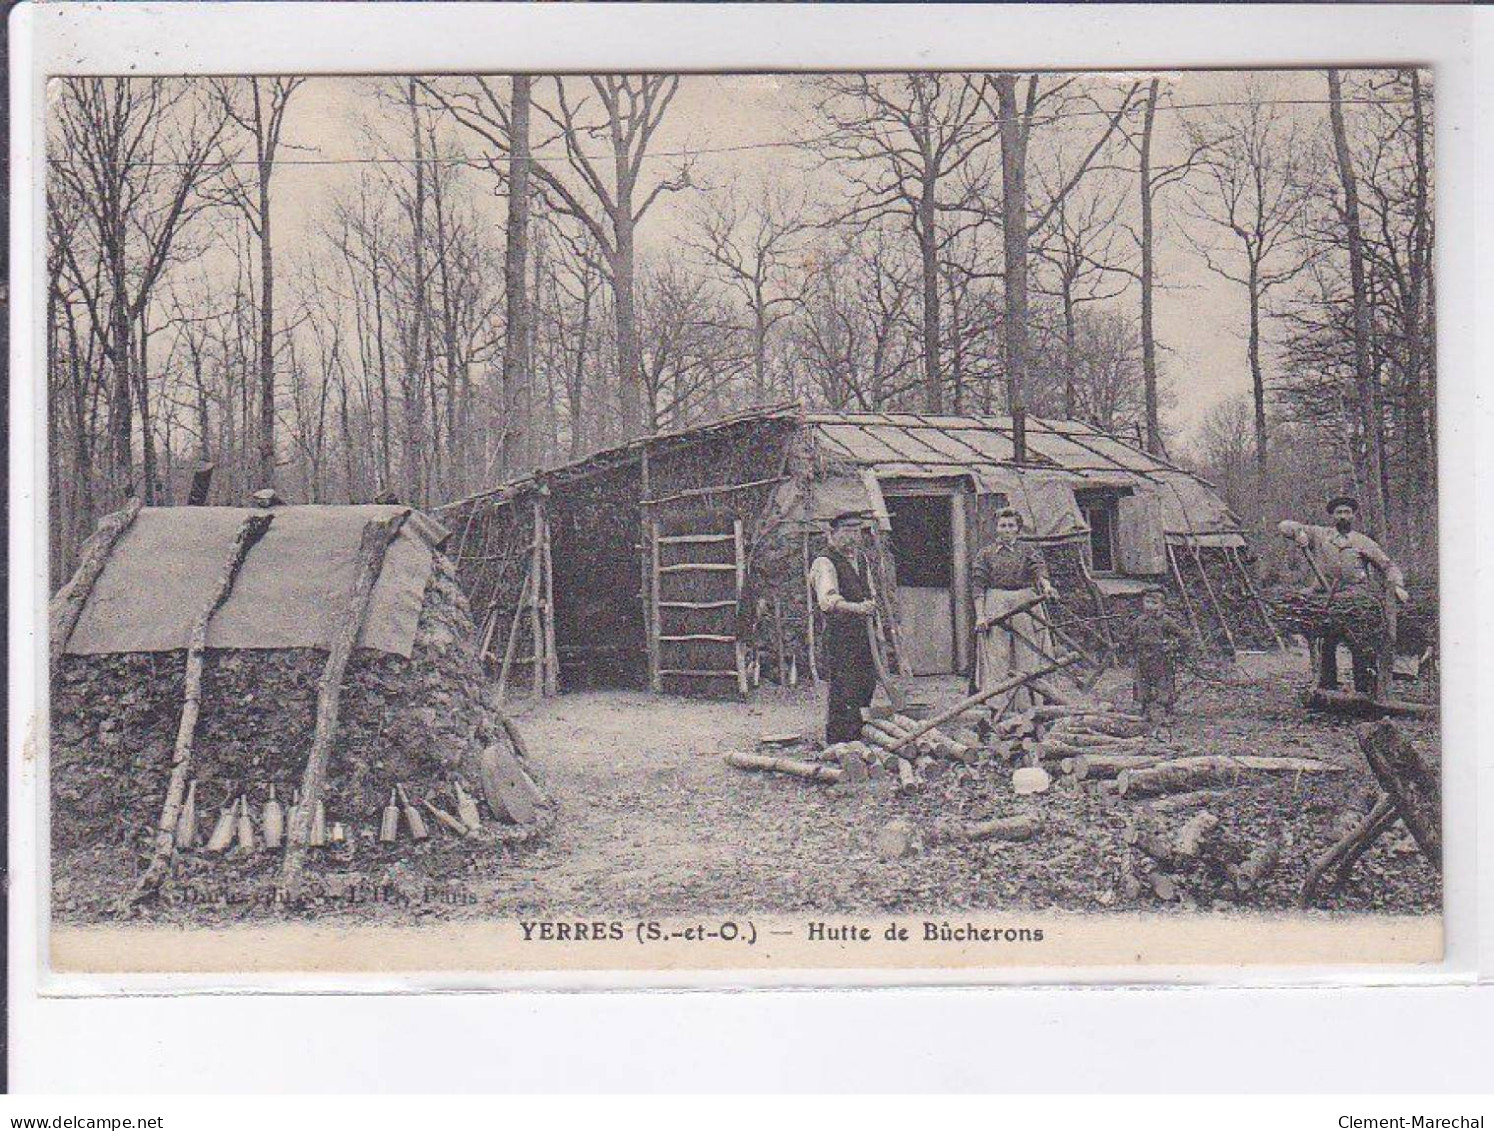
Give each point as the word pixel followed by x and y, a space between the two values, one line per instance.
pixel 1006 575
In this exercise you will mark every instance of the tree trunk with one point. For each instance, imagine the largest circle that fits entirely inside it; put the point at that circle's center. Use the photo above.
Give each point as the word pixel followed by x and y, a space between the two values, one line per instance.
pixel 629 364
pixel 1258 389
pixel 1369 454
pixel 1417 446
pixel 928 246
pixel 1148 337
pixel 1070 353
pixel 266 334
pixel 517 458
pixel 1014 246
pixel 121 398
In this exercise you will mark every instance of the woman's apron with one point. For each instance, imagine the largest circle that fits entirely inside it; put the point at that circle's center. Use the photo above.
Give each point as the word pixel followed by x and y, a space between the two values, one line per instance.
pixel 999 654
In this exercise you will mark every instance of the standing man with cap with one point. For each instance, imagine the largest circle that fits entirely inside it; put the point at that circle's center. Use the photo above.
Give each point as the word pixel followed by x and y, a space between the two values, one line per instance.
pixel 844 597
pixel 1340 558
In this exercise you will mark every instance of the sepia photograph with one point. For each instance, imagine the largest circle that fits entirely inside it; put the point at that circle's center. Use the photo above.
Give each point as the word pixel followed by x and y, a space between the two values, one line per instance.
pixel 890 520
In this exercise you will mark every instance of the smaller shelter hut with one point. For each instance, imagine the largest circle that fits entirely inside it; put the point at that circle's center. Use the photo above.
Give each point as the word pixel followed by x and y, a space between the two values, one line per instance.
pixel 679 562
pixel 199 647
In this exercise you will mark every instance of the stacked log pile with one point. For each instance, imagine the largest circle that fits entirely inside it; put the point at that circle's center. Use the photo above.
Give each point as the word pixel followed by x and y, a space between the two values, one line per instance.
pixel 1135 813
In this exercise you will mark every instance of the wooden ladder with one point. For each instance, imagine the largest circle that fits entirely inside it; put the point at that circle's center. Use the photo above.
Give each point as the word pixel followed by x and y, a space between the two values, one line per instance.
pixel 695 621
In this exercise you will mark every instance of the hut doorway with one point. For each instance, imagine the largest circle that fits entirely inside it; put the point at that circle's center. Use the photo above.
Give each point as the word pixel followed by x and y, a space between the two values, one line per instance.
pixel 930 554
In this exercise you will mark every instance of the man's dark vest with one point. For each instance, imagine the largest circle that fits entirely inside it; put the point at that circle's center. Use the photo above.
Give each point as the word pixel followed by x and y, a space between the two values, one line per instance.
pixel 847 647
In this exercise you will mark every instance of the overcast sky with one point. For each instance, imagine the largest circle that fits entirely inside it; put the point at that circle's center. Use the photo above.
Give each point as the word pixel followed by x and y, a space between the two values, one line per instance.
pixel 1200 319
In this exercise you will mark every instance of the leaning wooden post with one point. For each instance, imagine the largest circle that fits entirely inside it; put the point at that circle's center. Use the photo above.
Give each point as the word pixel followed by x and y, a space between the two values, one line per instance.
pixel 1018 680
pixel 513 638
pixel 536 614
pixel 741 585
pixel 68 605
pixel 552 655
pixel 251 530
pixel 377 535
pixel 809 611
pixel 1408 781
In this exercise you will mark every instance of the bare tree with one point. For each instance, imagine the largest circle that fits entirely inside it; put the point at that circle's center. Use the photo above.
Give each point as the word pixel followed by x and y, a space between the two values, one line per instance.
pixel 517 400
pixel 1250 196
pixel 1369 461
pixel 911 147
pixel 1152 179
pixel 257 106
pixel 606 192
pixel 131 154
pixel 753 247
pixel 1082 249
pixel 1015 103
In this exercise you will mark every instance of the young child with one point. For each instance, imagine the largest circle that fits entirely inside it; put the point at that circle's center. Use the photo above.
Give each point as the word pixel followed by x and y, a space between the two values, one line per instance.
pixel 1157 642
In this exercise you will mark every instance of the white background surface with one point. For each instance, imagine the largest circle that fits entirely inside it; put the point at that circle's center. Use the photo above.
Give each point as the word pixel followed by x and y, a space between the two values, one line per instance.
pixel 1361 1036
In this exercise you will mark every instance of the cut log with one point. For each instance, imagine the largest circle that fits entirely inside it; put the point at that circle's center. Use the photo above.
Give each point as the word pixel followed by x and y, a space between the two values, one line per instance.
pixel 1080 733
pixel 938 742
pixel 1182 774
pixel 367 565
pixel 1063 745
pixel 1194 834
pixel 1357 706
pixel 1020 679
pixel 1178 802
pixel 67 606
pixel 793 768
pixel 251 530
pixel 1024 826
pixel 505 787
pixel 1408 781
pixel 1255 868
pixel 852 765
pixel 1090 766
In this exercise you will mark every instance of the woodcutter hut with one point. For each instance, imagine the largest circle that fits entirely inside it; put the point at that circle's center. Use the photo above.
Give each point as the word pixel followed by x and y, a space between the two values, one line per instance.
pixel 678 562
pixel 273 588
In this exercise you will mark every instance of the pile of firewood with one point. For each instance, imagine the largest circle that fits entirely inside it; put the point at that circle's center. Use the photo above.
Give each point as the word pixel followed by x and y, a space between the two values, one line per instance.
pixel 887 750
pixel 1194 861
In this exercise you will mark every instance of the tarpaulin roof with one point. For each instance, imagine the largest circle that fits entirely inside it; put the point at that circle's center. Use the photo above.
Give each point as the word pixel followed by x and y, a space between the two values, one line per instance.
pixel 1061 455
pixel 294 582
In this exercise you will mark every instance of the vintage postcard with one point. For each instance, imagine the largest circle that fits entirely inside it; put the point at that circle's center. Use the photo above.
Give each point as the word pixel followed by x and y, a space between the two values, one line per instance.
pixel 742 522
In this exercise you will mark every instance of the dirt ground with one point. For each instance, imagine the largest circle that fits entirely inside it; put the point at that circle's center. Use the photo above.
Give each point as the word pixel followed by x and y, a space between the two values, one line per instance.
pixel 650 821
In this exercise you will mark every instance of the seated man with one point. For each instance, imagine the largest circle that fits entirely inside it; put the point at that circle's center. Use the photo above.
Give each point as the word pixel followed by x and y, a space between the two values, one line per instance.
pixel 1341 558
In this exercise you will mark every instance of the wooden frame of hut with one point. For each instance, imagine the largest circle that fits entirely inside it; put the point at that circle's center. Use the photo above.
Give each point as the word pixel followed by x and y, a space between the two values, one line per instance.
pixel 678 562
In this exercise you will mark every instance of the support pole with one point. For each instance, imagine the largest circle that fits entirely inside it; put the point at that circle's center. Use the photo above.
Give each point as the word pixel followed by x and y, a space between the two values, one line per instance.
pixel 251 530
pixel 809 611
pixel 1260 604
pixel 68 605
pixel 1213 600
pixel 1187 602
pixel 537 659
pixel 367 566
pixel 741 576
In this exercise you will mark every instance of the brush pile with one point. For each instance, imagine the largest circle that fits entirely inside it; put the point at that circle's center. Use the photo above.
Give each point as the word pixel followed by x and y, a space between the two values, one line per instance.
pixel 419 740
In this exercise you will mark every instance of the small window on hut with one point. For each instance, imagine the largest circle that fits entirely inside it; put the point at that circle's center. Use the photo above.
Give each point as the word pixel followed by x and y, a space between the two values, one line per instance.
pixel 1100 512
